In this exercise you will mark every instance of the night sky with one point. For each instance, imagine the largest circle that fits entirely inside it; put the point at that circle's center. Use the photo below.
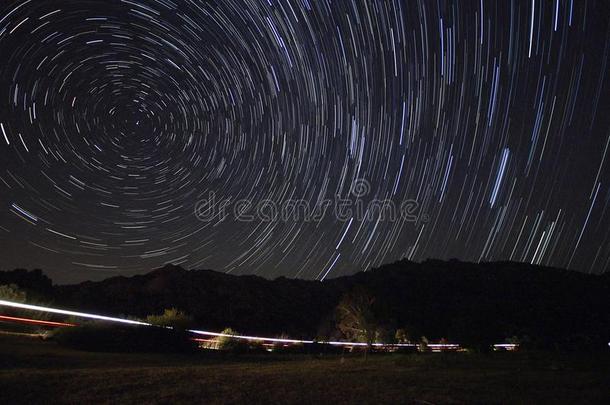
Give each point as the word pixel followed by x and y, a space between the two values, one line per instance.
pixel 118 118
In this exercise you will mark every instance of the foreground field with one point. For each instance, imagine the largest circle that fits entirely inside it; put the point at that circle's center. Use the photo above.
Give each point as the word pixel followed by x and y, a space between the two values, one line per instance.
pixel 32 371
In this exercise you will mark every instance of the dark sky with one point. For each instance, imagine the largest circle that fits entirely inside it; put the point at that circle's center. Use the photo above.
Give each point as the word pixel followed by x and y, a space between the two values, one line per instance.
pixel 134 132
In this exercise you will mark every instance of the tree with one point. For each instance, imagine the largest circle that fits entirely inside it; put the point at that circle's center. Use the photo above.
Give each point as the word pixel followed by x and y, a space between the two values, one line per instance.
pixel 423 345
pixel 171 317
pixel 402 336
pixel 385 334
pixel 355 316
pixel 234 345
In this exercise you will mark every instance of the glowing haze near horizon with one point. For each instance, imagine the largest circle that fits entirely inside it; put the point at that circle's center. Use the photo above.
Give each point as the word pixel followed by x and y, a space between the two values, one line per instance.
pixel 118 116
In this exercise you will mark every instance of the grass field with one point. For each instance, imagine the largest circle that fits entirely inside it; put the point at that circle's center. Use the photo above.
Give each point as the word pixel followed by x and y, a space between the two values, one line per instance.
pixel 32 371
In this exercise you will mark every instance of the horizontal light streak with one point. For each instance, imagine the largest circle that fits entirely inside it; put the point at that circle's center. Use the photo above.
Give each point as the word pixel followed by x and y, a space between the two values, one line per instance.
pixel 33 321
pixel 70 313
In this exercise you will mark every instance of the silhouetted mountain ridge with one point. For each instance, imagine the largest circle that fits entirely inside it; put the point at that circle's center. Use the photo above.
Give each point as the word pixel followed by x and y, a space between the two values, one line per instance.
pixel 433 298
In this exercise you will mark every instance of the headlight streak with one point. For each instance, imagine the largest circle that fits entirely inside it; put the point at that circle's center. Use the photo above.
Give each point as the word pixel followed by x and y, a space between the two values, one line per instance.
pixel 70 313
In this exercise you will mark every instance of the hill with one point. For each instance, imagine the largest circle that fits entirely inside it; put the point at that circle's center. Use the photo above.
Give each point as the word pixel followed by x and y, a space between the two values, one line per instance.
pixel 439 299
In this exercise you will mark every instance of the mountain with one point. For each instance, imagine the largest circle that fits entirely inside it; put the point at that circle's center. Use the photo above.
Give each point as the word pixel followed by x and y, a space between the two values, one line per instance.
pixel 451 299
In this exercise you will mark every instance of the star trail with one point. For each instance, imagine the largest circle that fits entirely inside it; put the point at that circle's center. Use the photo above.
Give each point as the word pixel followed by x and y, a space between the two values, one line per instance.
pixel 119 117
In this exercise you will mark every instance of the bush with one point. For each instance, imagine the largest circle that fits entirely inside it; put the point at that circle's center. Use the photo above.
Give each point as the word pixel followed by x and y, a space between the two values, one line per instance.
pixel 99 337
pixel 171 317
pixel 10 292
pixel 230 344
pixel 238 346
pixel 13 293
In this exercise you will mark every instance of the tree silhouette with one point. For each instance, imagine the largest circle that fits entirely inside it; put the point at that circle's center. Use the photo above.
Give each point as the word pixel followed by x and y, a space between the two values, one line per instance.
pixel 355 316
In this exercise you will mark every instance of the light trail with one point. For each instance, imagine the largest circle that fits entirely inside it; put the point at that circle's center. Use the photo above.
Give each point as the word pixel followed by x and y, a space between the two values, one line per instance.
pixel 254 338
pixel 34 321
pixel 70 313
pixel 432 346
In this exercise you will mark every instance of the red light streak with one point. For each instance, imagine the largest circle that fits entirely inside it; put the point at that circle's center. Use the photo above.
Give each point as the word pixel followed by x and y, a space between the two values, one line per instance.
pixel 33 321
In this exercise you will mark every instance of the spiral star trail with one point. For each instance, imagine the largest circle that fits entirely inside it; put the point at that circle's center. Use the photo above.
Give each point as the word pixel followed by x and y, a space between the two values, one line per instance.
pixel 118 117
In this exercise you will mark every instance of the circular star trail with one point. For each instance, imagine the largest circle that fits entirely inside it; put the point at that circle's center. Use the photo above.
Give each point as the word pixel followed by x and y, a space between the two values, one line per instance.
pixel 119 118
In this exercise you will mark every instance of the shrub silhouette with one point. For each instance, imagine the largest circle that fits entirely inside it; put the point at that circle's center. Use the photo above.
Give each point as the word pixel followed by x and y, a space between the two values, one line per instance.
pixel 98 337
pixel 171 317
